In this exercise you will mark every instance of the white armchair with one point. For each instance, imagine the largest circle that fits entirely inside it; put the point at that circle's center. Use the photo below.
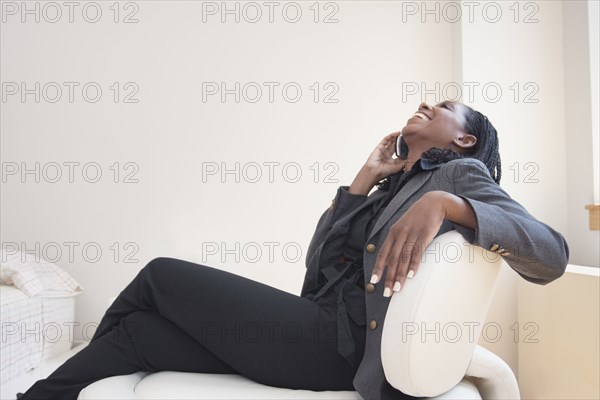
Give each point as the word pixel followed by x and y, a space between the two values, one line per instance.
pixel 432 326
pixel 429 342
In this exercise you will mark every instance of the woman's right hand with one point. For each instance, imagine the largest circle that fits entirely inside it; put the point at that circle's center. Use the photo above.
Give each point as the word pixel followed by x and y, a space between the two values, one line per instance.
pixel 381 162
pixel 379 165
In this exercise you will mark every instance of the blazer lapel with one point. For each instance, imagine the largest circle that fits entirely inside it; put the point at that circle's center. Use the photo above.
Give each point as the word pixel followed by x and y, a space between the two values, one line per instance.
pixel 411 187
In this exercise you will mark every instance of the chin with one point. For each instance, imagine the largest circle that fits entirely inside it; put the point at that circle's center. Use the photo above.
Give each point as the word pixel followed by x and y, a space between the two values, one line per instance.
pixel 409 129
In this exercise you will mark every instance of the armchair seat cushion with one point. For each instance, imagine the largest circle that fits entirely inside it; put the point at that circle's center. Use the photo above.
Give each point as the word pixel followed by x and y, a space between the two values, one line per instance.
pixel 166 385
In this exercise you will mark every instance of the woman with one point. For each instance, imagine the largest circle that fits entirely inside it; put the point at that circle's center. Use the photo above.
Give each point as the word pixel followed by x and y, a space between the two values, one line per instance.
pixel 180 316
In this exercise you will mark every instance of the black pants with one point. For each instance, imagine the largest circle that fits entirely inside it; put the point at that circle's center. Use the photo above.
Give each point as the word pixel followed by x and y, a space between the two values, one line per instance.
pixel 180 316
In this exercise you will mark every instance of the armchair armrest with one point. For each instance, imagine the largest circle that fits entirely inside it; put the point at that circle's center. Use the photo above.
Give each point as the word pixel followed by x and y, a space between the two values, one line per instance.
pixel 433 324
pixel 492 376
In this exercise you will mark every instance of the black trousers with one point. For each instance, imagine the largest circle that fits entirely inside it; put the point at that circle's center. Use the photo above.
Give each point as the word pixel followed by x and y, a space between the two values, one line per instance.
pixel 180 316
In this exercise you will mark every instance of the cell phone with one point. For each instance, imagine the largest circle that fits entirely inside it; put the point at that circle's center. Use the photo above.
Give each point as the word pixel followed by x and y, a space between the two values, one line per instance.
pixel 401 147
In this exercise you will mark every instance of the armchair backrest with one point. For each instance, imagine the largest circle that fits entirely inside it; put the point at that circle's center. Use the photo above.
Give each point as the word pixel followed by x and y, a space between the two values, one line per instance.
pixel 433 324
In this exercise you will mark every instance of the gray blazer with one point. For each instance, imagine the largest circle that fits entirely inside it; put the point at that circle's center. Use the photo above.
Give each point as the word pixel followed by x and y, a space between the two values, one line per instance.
pixel 533 249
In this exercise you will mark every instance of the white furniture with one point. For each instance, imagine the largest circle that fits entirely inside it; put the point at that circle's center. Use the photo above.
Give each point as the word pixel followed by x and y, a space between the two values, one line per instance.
pixel 25 380
pixel 34 329
pixel 37 303
pixel 452 289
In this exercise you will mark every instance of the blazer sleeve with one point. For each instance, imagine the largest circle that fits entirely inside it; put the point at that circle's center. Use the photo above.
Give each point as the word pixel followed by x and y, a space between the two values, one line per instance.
pixel 533 249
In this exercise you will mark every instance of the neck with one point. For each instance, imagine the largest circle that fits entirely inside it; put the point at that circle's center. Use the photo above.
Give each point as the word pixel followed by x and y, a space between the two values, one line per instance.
pixel 413 156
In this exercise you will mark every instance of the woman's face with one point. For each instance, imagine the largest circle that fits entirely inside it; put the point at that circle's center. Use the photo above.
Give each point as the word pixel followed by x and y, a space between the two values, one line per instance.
pixel 440 126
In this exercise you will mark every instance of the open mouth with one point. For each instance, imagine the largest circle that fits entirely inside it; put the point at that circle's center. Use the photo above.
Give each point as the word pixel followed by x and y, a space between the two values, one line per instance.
pixel 422 116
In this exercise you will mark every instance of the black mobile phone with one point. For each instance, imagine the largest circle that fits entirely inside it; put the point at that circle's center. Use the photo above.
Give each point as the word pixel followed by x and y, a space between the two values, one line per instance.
pixel 401 147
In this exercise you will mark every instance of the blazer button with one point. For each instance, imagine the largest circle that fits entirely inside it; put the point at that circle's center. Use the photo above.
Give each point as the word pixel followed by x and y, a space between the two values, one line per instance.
pixel 373 324
pixel 371 247
pixel 370 288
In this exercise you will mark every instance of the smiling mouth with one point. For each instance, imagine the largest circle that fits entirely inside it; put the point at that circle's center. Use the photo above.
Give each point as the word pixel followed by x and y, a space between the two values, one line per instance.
pixel 422 116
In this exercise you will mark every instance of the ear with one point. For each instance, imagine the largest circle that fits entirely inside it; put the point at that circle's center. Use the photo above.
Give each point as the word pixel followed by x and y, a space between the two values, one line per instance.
pixel 465 141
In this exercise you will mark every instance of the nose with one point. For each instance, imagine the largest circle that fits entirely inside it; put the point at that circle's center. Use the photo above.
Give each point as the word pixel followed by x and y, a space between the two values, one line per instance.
pixel 425 106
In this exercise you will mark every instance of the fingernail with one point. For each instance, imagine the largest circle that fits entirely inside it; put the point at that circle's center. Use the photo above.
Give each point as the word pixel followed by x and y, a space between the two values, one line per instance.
pixel 397 286
pixel 387 292
pixel 374 279
pixel 410 274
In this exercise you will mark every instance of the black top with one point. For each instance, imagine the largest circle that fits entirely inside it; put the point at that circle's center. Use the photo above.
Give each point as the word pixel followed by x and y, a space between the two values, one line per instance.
pixel 343 260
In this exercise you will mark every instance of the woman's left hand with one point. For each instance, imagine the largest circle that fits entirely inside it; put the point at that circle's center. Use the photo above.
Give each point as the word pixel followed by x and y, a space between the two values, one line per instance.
pixel 407 240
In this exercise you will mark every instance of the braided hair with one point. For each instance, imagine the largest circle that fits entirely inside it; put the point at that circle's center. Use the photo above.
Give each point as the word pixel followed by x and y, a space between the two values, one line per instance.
pixel 486 149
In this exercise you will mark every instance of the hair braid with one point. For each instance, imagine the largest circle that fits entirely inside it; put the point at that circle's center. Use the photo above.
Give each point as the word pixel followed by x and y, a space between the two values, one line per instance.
pixel 487 147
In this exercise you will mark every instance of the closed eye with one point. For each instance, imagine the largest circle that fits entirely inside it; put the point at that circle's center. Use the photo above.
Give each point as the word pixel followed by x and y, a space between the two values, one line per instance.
pixel 445 105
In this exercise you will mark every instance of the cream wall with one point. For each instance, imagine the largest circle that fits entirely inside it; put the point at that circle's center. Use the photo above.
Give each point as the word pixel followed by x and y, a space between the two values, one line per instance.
pixel 559 355
pixel 170 135
pixel 372 57
pixel 593 11
pixel 580 101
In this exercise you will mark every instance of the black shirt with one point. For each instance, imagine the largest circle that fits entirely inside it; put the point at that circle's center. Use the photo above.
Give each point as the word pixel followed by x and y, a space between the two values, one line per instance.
pixel 343 261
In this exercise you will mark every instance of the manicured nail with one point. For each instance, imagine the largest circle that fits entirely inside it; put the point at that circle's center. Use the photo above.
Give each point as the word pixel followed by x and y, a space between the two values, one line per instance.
pixel 387 292
pixel 410 274
pixel 374 279
pixel 397 286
